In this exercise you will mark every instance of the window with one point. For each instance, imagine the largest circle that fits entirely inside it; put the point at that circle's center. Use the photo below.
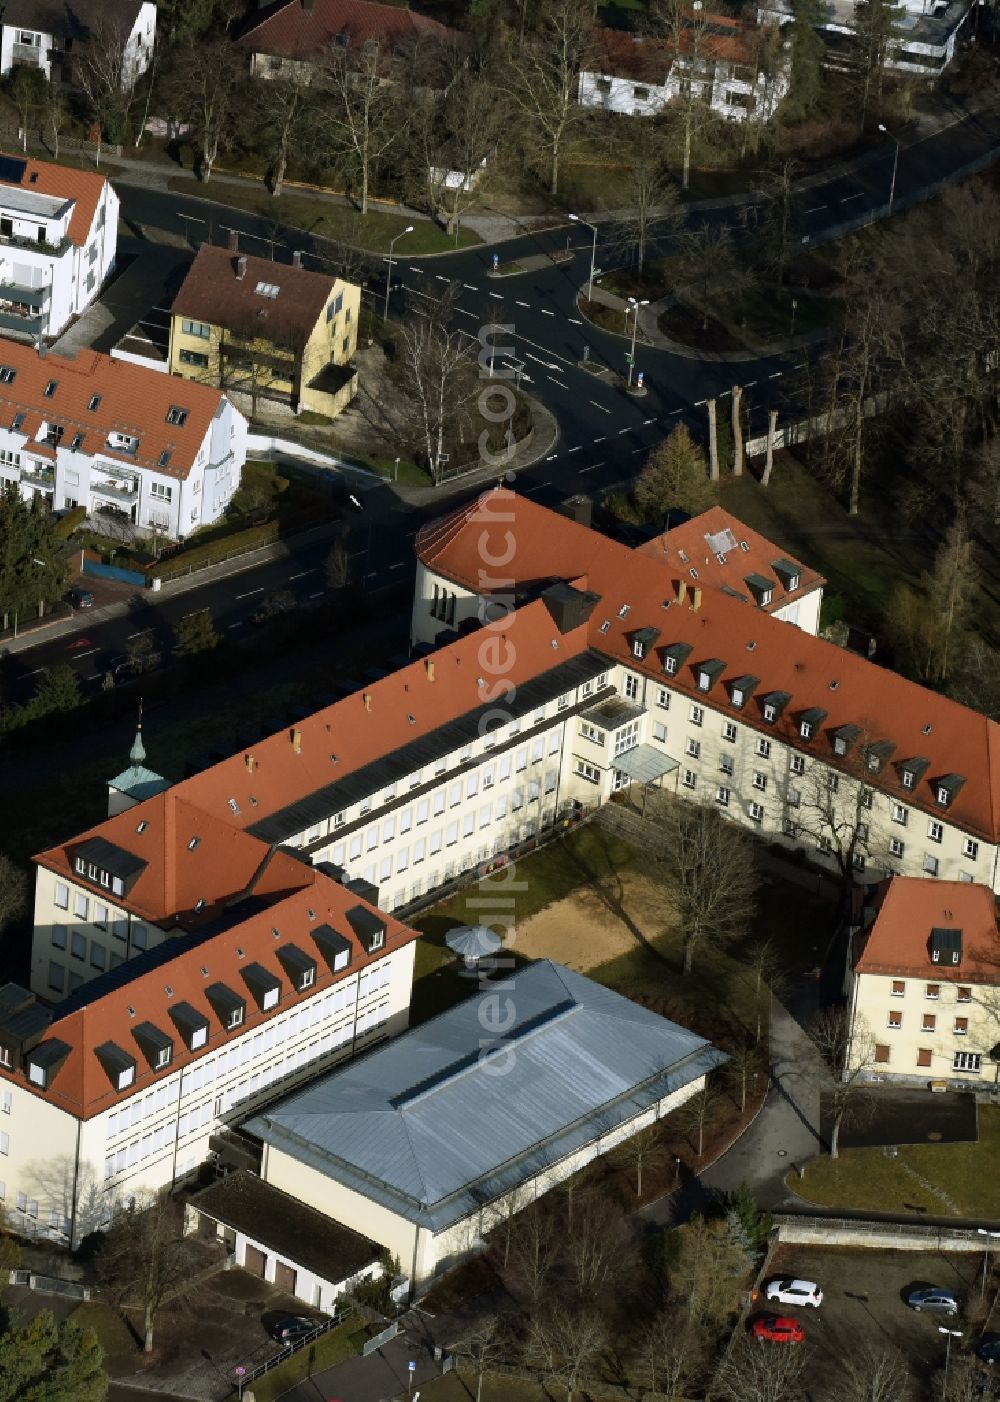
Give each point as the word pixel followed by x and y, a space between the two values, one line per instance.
pixel 659 732
pixel 909 778
pixel 98 957
pixel 690 779
pixel 881 1053
pixel 722 795
pixel 923 1056
pixel 930 864
pixel 760 781
pixel 590 772
pixel 966 1061
pixel 190 357
pixel 267 289
pixel 806 729
pixel 78 946
pixel 963 995
pixel 763 747
pixel 756 812
pixel 935 831
pixel 693 748
pixel 670 665
pixel 898 988
pixel 81 907
pixel 862 832
pixel 60 933
pixel 52 385
pixel 697 715
pixel 794 797
pixel 970 849
pixel 631 686
pixel 900 814
pixel 797 764
pixel 859 861
pixel 832 782
pixel 727 765
pixel 196 328
pixel 961 1028
pixel 61 896
pixel 177 415
pixel 57 977
pixel 932 990
pixel 894 1019
pixel 928 1023
pixel 790 828
pixel 235 1017
pixel 896 847
pixel 663 698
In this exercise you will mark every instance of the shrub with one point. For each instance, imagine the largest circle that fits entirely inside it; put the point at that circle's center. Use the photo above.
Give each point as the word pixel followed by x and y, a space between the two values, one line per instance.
pixel 67 524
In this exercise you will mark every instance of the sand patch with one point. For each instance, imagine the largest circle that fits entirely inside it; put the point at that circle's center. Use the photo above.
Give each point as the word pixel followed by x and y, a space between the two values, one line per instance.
pixel 596 924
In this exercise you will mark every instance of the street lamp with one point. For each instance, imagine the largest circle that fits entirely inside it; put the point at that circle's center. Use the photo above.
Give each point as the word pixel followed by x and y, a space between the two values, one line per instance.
pixel 952 1334
pixel 633 306
pixel 35 561
pixel 388 271
pixel 986 1255
pixel 895 162
pixel 593 253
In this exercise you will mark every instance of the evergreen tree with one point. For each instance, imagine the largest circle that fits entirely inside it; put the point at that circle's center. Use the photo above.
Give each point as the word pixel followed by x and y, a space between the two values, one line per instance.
pixel 57 689
pixel 675 475
pixel 196 633
pixel 877 33
pixel 808 49
pixel 32 559
pixel 46 1362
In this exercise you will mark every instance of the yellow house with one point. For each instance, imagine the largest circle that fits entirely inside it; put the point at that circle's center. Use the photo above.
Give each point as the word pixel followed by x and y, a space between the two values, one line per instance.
pixel 271 331
pixel 924 991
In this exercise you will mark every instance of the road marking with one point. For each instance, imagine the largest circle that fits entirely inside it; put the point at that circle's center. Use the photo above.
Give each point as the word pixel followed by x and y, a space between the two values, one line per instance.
pixel 35 672
pixel 249 594
pixel 497 297
pixel 301 575
pixel 602 408
pixel 698 403
pixel 859 196
pixel 554 381
pixel 577 448
pixel 319 594
pixel 592 468
pixel 238 624
pixel 647 422
pixel 575 320
pixel 411 267
pixel 815 208
pixel 463 312
pixel 639 450
pixel 600 440
pixel 801 366
pixel 141 633
pixel 470 287
pixel 749 384
pixel 624 430
pixel 398 565
pixel 677 411
pixel 522 304
pixel 80 655
pixel 546 312
pixel 440 277
pixel 776 376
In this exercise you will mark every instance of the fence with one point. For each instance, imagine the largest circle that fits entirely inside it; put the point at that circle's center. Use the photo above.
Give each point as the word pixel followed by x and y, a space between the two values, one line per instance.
pixel 378 1340
pixel 245 1376
pixel 100 571
pixel 50 1285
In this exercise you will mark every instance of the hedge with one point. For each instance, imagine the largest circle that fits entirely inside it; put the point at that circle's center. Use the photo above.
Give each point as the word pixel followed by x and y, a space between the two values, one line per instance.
pixel 199 557
pixel 67 524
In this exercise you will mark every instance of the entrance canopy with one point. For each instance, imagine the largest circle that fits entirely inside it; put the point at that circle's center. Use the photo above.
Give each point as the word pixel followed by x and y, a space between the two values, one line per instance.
pixel 644 764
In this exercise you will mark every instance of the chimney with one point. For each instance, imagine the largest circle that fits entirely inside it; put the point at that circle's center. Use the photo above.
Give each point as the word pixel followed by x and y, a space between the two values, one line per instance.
pixel 250 763
pixel 241 267
pixel 680 590
pixel 429 665
pixel 297 258
pixel 307 6
pixel 367 698
pixel 296 739
pixel 695 599
pixel 169 852
pixel 234 241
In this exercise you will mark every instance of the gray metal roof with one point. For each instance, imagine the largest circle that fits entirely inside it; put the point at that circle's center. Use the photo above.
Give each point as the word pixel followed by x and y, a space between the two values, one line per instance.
pixel 645 763
pixel 446 1118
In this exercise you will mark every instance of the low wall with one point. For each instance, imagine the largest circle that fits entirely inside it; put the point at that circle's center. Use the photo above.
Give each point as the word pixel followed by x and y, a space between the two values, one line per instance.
pixel 876 1234
pixel 263 444
pixel 100 571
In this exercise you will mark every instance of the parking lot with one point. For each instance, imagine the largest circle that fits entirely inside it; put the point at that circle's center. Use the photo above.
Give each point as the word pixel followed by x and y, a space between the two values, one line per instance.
pixel 863 1305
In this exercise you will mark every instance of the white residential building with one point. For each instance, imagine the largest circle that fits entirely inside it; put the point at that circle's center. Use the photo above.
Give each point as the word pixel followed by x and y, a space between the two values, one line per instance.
pixel 732 66
pixel 93 431
pixel 928 32
pixel 58 239
pixel 48 36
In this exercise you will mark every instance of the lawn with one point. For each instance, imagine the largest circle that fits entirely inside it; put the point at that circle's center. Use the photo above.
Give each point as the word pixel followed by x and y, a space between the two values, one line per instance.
pixel 609 319
pixel 867 1180
pixel 113 1333
pixel 452 1388
pixel 343 1342
pixel 342 223
pixel 720 322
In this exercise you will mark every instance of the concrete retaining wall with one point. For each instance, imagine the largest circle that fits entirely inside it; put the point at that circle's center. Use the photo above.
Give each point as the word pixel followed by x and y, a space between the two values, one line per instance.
pixel 875 1235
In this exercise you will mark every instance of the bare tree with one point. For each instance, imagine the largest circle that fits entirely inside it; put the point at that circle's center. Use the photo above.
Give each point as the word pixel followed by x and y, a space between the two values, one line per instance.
pixel 836 810
pixel 875 1375
pixel 338 561
pixel 108 78
pixel 768 975
pixel 750 1373
pixel 146 1259
pixel 599 1249
pixel 745 1064
pixel 674 1355
pixel 210 85
pixel 686 30
pixel 644 1149
pixel 847 1050
pixel 27 89
pixel 711 866
pixel 930 629
pixel 711 1270
pixel 566 1344
pixel 696 1114
pixel 650 198
pixel 460 129
pixel 13 894
pixel 531 1253
pixel 363 118
pixel 56 116
pixel 545 74
pixel 284 114
pixel 485 1345
pixel 434 377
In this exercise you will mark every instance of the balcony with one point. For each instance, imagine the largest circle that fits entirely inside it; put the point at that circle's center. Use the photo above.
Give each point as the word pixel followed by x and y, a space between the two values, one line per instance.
pixel 121 491
pixel 27 323
pixel 28 54
pixel 24 295
pixel 44 477
pixel 50 249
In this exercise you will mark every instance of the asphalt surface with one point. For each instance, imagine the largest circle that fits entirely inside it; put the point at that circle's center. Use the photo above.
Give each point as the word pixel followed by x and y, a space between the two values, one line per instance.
pixel 906 1117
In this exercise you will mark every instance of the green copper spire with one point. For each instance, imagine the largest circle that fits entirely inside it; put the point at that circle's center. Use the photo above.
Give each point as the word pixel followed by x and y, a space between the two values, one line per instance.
pixel 138 751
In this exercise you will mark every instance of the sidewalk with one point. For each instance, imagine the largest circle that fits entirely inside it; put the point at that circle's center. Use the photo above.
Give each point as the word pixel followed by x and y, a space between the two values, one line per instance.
pixel 381 1377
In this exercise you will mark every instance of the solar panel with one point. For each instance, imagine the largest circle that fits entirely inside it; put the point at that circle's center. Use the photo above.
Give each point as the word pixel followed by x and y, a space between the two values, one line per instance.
pixel 12 170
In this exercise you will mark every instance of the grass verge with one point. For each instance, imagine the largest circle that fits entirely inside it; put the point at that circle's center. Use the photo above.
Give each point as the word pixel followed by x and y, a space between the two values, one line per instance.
pixel 964 1176
pixel 342 223
pixel 112 1332
pixel 334 1347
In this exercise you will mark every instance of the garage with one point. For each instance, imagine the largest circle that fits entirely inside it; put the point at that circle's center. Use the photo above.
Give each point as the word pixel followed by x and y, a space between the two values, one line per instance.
pixel 284 1276
pixel 254 1261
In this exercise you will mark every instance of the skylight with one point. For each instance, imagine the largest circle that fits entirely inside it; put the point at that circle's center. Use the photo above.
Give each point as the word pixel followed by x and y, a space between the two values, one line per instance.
pixel 177 415
pixel 7 374
pixel 267 289
pixel 50 388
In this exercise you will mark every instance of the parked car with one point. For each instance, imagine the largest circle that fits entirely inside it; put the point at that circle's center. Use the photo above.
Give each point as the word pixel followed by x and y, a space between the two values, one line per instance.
pixel 794 1292
pixel 988 1348
pixel 292 1327
pixel 777 1329
pixel 81 598
pixel 933 1299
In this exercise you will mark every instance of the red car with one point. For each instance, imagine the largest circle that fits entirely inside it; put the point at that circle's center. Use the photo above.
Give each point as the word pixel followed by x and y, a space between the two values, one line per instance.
pixel 777 1329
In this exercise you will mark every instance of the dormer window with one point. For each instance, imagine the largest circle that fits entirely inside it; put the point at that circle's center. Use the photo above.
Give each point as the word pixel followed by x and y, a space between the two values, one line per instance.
pixel 741 689
pixel 948 789
pixel 642 640
pixel 911 771
pixel 789 574
pixel 95 401
pixel 265 986
pixel 708 673
pixel 17 423
pixel 228 1006
pixel 844 737
pixel 7 374
pixel 50 388
pixel 810 722
pixel 191 1024
pixel 176 415
pixel 334 947
pixel 118 1064
pixel 761 588
pixel 154 1044
pixel 773 705
pixel 77 441
pixel 945 946
pixel 299 966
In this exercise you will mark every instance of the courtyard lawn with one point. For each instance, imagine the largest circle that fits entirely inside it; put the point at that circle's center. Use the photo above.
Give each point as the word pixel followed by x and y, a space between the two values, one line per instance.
pixel 113 1334
pixel 334 1347
pixel 964 1176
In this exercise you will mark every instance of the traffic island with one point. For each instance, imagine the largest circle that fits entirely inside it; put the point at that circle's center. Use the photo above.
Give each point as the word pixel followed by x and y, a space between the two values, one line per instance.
pixel 534 264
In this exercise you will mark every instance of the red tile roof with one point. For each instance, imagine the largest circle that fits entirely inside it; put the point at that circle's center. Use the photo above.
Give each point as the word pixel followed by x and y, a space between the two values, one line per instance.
pixel 908 908
pixel 132 400
pixel 84 187
pixel 292 31
pixel 619 54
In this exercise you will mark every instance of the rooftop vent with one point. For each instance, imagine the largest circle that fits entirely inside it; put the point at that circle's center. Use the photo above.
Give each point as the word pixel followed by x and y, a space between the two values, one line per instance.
pixel 296 739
